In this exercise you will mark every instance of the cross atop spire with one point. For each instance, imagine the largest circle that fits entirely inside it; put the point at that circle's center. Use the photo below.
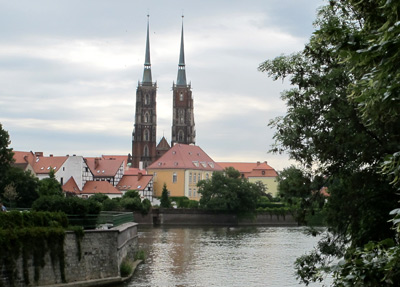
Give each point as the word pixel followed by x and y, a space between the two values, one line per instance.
pixel 181 80
pixel 147 64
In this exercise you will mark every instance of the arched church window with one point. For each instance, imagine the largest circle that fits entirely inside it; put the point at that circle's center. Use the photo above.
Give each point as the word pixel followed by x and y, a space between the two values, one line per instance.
pixel 180 136
pixel 146 117
pixel 146 151
pixel 146 99
pixel 181 97
pixel 146 135
pixel 181 116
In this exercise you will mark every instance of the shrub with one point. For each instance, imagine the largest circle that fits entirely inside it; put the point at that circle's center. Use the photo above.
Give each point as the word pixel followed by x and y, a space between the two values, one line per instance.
pixel 112 204
pixel 126 268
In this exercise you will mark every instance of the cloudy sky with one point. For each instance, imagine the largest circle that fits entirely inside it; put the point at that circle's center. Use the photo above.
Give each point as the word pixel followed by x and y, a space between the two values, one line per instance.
pixel 69 71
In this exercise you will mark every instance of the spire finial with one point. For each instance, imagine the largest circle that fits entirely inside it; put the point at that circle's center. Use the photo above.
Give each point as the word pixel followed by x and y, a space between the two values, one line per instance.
pixel 147 64
pixel 181 80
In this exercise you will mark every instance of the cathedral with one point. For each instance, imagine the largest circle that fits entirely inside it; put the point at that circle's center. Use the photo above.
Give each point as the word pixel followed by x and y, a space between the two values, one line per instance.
pixel 145 149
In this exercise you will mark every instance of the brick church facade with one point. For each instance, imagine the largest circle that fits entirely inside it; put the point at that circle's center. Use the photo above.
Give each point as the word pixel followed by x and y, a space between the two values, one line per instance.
pixel 144 147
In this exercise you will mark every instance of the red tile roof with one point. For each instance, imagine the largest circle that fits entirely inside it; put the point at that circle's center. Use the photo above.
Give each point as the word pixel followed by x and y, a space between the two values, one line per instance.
pixel 135 182
pixel 43 164
pixel 71 186
pixel 104 187
pixel 182 156
pixel 134 171
pixel 117 157
pixel 250 169
pixel 24 157
pixel 103 167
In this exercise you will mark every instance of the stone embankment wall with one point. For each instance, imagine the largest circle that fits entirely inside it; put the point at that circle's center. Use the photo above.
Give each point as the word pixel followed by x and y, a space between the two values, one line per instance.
pixel 96 258
pixel 194 217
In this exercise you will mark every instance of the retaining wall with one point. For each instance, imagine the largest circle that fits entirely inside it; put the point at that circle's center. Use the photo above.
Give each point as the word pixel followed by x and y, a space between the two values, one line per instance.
pixel 101 253
pixel 186 217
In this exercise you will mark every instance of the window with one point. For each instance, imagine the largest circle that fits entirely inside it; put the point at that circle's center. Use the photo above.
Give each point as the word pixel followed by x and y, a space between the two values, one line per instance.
pixel 194 192
pixel 263 172
pixel 146 99
pixel 180 136
pixel 190 192
pixel 190 177
pixel 181 97
pixel 174 177
pixel 146 136
pixel 207 176
pixel 194 177
pixel 146 118
pixel 181 116
pixel 146 151
pixel 199 177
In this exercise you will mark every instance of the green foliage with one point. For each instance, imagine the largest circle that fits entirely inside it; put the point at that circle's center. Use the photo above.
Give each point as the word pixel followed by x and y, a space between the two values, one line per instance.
pixel 50 186
pixel 6 154
pixel 131 194
pixel 112 204
pixel 99 197
pixel 31 235
pixel 227 191
pixel 126 268
pixel 343 118
pixel 68 205
pixel 146 206
pixel 165 201
pixel 140 255
pixel 184 202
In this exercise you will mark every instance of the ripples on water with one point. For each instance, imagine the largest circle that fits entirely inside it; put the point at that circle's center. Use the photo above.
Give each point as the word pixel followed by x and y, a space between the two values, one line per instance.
pixel 220 256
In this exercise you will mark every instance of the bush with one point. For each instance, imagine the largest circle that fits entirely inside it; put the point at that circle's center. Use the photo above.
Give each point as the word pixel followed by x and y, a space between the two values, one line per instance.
pixel 126 268
pixel 112 204
pixel 132 204
pixel 69 205
pixel 131 194
pixel 146 205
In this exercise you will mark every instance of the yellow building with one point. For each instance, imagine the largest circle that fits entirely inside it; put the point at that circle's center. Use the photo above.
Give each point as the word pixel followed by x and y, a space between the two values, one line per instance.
pixel 181 168
pixel 257 171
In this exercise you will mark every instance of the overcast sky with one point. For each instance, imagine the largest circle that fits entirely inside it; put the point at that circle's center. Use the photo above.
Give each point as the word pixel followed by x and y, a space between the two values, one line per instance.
pixel 69 71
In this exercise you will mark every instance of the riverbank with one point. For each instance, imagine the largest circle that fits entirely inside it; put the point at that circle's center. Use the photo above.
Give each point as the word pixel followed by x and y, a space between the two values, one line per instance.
pixel 198 217
pixel 101 282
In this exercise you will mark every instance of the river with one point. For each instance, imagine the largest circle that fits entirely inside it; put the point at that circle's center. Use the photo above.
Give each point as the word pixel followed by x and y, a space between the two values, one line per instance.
pixel 220 256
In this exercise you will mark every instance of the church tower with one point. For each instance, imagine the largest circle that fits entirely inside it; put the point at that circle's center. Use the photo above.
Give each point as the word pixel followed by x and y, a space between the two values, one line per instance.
pixel 144 132
pixel 183 129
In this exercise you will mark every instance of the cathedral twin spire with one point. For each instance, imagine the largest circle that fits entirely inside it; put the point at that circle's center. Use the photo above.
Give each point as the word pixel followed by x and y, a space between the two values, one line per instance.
pixel 181 79
pixel 144 148
pixel 147 65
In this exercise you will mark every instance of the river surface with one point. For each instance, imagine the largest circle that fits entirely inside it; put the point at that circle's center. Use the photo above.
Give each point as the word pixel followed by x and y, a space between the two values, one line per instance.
pixel 220 256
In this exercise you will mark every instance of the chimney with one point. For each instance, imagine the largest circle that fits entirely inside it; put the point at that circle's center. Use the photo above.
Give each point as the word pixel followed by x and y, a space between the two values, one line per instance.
pixel 50 155
pixel 39 153
pixel 139 176
pixel 258 163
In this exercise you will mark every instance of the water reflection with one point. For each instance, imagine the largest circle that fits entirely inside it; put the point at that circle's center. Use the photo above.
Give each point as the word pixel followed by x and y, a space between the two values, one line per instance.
pixel 220 256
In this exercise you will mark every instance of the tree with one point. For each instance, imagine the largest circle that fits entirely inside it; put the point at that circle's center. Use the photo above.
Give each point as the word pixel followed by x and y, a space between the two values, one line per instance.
pixel 343 117
pixel 6 154
pixel 227 191
pixel 165 200
pixel 50 186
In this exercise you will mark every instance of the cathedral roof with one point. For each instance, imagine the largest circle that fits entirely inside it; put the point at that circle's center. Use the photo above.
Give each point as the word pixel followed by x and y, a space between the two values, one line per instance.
pixel 163 144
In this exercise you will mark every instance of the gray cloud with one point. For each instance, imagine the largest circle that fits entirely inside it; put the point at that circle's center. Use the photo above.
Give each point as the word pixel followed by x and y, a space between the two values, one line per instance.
pixel 69 71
